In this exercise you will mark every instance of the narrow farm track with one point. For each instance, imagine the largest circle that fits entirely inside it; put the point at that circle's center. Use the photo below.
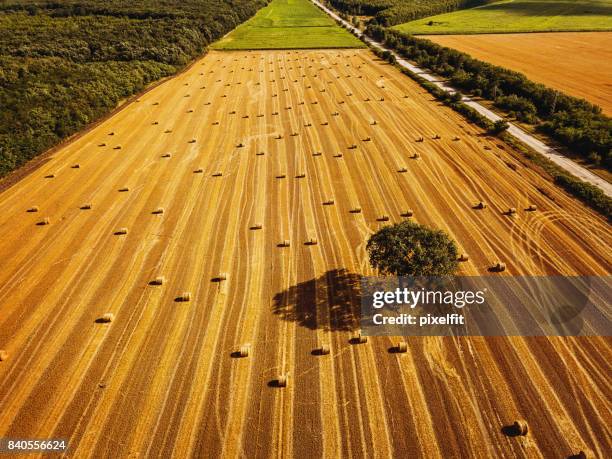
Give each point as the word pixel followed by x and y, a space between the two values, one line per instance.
pixel 162 379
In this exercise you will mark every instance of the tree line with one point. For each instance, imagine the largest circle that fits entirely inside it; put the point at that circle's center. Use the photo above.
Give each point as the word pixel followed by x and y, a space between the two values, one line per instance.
pixel 64 64
pixel 391 12
pixel 575 123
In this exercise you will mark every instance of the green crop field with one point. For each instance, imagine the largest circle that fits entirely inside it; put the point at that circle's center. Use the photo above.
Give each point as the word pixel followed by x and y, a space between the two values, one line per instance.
pixel 289 24
pixel 518 16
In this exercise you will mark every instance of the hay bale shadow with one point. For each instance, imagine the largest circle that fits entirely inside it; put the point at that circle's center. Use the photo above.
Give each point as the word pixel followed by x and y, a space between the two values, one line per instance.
pixel 511 430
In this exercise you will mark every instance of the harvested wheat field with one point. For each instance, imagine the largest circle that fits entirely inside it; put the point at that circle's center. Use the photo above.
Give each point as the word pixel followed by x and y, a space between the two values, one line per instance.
pixel 219 302
pixel 577 63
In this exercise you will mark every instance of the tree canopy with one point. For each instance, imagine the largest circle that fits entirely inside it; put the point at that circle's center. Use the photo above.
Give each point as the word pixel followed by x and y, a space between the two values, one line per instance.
pixel 410 249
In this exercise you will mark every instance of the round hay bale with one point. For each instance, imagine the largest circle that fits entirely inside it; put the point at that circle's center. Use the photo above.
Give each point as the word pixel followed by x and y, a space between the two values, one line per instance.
pixel 415 156
pixel 360 339
pixel 159 211
pixel 285 243
pixel 244 350
pixel 480 205
pixel 184 297
pixel 45 221
pixel 86 206
pixel 324 349
pixel 199 170
pixel 383 218
pixel 217 174
pixel 402 347
pixel 356 210
pixel 167 155
pixel 463 257
pixel 408 213
pixel 300 175
pixel 521 427
pixel 328 202
pixel 282 380
pixel 532 208
pixel 50 176
pixel 4 355
pixel 402 169
pixel 107 318
pixel 498 266
pixel 121 231
pixel 124 189
pixel 222 276
pixel 33 209
pixel 76 166
pixel 260 153
pixel 316 153
pixel 256 226
pixel 159 280
pixel 312 241
pixel 338 155
pixel 511 211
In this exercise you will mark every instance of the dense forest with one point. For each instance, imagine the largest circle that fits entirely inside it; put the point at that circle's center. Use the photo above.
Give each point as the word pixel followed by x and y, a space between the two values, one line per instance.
pixel 65 63
pixel 575 123
pixel 392 12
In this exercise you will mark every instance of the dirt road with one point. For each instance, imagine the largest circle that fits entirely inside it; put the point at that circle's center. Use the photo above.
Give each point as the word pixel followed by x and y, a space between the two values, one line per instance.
pixel 161 379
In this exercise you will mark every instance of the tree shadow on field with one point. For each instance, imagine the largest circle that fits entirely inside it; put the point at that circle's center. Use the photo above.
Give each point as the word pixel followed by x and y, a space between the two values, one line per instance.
pixel 329 302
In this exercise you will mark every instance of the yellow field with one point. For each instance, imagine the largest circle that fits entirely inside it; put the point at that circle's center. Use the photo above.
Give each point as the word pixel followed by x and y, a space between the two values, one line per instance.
pixel 160 379
pixel 579 63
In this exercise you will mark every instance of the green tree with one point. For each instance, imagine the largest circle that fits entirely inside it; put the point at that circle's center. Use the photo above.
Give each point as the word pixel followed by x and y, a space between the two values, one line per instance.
pixel 410 249
pixel 499 126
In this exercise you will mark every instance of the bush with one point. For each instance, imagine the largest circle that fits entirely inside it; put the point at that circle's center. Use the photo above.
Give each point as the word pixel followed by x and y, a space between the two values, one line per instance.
pixel 410 249
pixel 499 126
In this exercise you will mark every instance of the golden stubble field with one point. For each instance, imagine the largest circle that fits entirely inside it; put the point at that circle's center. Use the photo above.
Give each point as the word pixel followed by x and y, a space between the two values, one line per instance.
pixel 160 379
pixel 577 63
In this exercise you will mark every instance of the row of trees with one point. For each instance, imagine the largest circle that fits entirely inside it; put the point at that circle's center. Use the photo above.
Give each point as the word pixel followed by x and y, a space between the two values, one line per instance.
pixel 65 64
pixel 575 123
pixel 392 12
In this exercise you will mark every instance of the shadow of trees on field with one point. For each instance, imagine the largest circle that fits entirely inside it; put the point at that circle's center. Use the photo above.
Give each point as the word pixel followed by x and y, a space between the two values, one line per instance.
pixel 329 302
